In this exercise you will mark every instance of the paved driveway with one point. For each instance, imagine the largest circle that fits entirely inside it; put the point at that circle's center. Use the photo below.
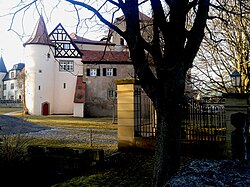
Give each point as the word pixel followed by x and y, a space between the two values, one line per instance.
pixel 14 125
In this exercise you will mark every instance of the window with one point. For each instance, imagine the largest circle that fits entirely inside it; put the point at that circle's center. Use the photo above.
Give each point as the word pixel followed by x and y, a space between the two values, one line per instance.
pixel 12 97
pixel 66 46
pixel 12 86
pixel 64 85
pixel 12 75
pixel 109 72
pixel 121 41
pixel 65 65
pixel 111 94
pixel 4 87
pixel 92 72
pixel 39 87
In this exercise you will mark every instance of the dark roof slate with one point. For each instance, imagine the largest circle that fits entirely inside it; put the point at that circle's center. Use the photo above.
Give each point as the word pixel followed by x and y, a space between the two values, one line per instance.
pixel 2 66
pixel 79 39
pixel 40 34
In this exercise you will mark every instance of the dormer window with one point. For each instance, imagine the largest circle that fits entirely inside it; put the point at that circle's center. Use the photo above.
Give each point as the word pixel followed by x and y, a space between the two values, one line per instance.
pixel 12 75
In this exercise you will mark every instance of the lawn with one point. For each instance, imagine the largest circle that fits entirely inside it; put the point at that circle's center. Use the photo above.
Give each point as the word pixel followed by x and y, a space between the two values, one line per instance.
pixel 8 110
pixel 124 169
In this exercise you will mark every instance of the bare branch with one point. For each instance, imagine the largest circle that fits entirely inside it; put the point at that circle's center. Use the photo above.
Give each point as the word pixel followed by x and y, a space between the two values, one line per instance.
pixel 102 19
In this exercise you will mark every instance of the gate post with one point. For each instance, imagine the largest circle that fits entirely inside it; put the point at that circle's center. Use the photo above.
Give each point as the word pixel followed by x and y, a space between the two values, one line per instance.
pixel 235 103
pixel 126 112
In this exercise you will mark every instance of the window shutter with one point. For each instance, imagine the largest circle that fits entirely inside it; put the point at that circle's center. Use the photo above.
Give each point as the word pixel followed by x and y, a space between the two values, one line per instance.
pixel 98 72
pixel 88 72
pixel 114 72
pixel 104 71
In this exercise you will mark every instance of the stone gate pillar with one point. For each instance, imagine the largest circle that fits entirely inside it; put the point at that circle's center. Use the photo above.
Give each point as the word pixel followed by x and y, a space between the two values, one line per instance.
pixel 235 103
pixel 126 104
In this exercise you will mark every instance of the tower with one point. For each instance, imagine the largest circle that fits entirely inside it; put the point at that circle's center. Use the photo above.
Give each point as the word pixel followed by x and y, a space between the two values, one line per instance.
pixel 39 71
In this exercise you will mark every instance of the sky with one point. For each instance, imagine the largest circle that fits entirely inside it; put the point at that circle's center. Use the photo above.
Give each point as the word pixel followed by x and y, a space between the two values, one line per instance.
pixel 11 41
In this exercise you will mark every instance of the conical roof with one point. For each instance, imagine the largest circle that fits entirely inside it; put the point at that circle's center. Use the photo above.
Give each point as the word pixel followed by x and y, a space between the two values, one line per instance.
pixel 40 34
pixel 2 66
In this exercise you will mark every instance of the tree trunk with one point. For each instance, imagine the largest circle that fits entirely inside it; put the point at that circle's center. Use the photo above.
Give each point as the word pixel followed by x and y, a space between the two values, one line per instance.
pixel 167 151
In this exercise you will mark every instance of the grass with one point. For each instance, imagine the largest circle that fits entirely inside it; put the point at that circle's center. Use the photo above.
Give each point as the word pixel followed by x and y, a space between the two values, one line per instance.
pixel 74 124
pixel 7 110
pixel 125 169
pixel 130 169
pixel 68 121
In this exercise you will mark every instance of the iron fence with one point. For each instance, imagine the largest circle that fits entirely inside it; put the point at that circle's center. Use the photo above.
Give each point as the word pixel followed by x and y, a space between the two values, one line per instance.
pixel 201 121
pixel 145 116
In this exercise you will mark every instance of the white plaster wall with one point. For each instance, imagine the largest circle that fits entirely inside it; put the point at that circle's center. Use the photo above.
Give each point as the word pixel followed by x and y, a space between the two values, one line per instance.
pixel 39 71
pixel 11 92
pixel 64 97
pixel 78 110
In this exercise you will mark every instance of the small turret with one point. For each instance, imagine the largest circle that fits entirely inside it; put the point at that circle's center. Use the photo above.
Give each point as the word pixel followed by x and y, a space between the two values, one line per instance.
pixel 39 70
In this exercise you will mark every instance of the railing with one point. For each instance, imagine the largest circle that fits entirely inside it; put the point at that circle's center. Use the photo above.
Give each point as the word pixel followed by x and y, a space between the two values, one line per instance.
pixel 201 121
pixel 145 116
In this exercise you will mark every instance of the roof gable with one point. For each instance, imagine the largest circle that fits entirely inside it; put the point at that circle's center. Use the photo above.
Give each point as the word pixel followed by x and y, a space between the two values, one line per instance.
pixel 65 47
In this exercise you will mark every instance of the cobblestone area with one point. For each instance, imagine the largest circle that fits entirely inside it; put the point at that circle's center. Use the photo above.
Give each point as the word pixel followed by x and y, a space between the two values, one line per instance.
pixel 77 135
pixel 14 125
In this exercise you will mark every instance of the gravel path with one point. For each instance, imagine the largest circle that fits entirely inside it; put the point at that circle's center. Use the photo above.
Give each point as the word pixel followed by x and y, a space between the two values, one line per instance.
pixel 14 125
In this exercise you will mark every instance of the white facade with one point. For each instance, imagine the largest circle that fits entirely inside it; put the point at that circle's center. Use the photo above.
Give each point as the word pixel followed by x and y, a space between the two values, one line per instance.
pixel 65 83
pixel 50 72
pixel 39 80
pixel 12 84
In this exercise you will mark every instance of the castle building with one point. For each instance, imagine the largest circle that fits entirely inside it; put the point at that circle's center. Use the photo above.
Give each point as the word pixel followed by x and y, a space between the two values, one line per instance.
pixel 68 74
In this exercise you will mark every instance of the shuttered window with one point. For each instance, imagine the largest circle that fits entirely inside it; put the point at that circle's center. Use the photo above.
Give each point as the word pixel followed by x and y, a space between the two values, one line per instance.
pixel 109 72
pixel 92 72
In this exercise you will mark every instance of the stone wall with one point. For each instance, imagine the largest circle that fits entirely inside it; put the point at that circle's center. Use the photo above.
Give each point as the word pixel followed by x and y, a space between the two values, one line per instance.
pixel 63 160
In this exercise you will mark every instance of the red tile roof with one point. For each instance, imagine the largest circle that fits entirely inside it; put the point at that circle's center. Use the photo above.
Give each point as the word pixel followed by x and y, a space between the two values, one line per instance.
pixel 105 56
pixel 80 90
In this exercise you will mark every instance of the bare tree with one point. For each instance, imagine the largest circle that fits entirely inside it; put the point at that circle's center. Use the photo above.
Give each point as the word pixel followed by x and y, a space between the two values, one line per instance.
pixel 225 48
pixel 21 84
pixel 173 46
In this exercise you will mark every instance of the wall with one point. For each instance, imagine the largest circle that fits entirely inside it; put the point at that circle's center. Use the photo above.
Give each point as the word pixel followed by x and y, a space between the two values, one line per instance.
pixel 97 102
pixel 64 97
pixel 39 80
